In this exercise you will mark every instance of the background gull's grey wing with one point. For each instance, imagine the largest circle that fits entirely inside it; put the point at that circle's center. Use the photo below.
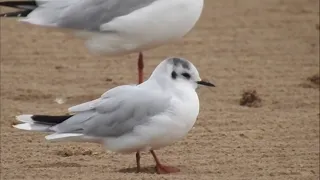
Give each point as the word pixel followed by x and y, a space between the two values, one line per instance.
pixel 82 14
pixel 117 113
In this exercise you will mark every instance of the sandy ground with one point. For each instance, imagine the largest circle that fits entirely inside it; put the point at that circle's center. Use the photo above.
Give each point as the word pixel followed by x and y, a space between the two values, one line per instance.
pixel 271 46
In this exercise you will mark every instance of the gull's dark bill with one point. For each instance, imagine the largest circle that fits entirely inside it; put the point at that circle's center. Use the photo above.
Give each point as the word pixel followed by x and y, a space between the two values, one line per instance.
pixel 205 83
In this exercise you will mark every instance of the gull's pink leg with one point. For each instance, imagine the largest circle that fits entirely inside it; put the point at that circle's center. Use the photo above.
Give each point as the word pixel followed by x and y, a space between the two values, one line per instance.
pixel 162 169
pixel 140 68
pixel 140 80
pixel 138 161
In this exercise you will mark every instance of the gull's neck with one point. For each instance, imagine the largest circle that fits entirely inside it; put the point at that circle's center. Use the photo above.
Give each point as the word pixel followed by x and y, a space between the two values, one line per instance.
pixel 157 83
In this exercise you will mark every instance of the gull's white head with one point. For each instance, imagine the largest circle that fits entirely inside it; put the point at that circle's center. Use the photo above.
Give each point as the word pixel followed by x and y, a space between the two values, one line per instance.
pixel 178 72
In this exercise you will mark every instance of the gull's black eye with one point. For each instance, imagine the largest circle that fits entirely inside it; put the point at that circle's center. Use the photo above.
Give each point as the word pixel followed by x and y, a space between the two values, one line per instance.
pixel 174 75
pixel 186 75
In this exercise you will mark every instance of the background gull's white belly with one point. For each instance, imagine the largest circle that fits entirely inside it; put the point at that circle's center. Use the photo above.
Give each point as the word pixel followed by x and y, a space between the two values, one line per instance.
pixel 148 27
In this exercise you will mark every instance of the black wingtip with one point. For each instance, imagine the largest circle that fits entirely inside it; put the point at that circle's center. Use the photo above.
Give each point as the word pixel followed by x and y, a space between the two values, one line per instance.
pixel 51 120
pixel 25 7
pixel 20 4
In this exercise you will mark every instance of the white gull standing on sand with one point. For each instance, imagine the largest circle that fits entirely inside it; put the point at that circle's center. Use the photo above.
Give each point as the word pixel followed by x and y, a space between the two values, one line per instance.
pixel 132 118
pixel 114 27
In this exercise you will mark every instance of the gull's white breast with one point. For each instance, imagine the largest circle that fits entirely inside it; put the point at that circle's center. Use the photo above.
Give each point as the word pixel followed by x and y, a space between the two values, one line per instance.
pixel 182 118
pixel 163 129
pixel 161 22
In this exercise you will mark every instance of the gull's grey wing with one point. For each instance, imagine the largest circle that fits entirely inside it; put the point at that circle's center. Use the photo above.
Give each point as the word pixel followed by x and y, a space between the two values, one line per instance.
pixel 83 14
pixel 92 104
pixel 117 113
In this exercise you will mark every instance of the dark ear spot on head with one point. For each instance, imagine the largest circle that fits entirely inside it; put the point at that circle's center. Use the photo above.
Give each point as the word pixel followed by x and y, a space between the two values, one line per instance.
pixel 174 75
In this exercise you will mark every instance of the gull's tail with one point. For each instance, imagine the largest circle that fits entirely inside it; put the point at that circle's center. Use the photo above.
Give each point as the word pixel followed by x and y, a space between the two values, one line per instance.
pixel 40 123
pixel 25 7
pixel 44 123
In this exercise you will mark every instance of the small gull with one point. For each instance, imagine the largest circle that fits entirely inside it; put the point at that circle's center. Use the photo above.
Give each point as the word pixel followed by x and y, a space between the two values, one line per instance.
pixel 132 118
pixel 114 27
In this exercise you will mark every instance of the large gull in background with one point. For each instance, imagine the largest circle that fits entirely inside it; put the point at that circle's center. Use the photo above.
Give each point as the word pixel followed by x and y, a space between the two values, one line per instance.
pixel 114 27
